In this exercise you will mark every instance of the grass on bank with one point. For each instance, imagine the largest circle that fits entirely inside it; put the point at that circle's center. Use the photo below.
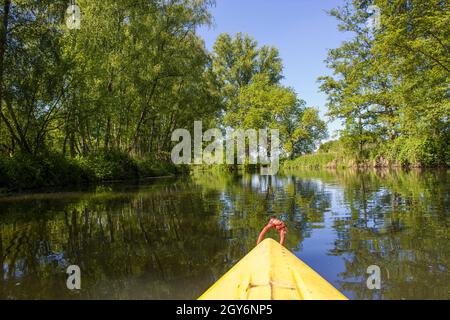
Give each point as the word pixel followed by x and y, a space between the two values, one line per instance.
pixel 25 172
pixel 405 152
pixel 319 160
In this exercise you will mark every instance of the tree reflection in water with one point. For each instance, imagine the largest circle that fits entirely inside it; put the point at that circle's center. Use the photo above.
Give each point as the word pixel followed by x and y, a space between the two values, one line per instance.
pixel 171 239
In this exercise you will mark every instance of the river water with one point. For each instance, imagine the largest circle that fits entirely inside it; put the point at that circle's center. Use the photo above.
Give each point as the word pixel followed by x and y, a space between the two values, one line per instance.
pixel 173 238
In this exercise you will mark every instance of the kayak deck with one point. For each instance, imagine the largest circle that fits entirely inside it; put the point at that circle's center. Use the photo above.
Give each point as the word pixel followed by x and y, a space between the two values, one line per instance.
pixel 271 272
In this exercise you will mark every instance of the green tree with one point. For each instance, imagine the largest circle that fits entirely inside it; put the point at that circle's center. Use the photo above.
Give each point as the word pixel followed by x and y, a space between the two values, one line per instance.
pixel 265 105
pixel 32 73
pixel 236 62
pixel 144 72
pixel 390 85
pixel 253 97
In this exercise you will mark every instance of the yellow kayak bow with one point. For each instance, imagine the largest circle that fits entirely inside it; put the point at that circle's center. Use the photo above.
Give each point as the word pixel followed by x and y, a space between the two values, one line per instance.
pixel 271 272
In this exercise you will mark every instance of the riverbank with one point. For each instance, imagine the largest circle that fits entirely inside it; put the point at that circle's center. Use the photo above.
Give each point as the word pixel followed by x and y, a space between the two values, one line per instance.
pixel 339 161
pixel 24 172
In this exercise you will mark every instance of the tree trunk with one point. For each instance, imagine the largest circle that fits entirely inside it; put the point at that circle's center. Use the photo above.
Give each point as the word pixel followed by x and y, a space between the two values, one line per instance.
pixel 3 38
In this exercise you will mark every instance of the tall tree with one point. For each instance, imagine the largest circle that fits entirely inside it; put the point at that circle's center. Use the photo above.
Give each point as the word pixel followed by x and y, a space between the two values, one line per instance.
pixel 254 98
pixel 32 71
pixel 237 60
pixel 390 85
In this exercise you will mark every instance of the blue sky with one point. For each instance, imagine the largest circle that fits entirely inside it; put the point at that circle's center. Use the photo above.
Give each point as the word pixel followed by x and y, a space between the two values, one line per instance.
pixel 300 29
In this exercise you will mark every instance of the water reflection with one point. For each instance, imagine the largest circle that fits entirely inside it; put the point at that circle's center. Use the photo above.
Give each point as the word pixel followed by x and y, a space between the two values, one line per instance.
pixel 172 239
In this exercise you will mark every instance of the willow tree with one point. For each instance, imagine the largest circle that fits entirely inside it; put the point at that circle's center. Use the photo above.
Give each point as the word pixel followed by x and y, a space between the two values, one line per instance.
pixel 144 73
pixel 133 72
pixel 32 73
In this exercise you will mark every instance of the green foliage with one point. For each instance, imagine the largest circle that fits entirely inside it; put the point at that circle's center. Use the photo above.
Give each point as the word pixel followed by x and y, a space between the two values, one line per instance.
pixel 330 146
pixel 390 86
pixel 236 61
pixel 104 95
pixel 153 168
pixel 131 74
pixel 109 95
pixel 111 165
pixel 419 151
pixel 253 97
pixel 114 90
pixel 312 161
pixel 24 172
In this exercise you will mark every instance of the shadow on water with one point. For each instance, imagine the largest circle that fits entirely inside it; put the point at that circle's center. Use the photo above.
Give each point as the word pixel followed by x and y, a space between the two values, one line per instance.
pixel 171 239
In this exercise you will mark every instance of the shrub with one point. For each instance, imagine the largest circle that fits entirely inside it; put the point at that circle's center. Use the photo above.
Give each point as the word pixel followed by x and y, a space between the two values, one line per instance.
pixel 111 165
pixel 152 168
pixel 48 169
pixel 27 172
pixel 418 151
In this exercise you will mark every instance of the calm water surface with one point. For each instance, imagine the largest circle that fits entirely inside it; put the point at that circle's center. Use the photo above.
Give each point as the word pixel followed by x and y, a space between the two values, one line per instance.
pixel 172 239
